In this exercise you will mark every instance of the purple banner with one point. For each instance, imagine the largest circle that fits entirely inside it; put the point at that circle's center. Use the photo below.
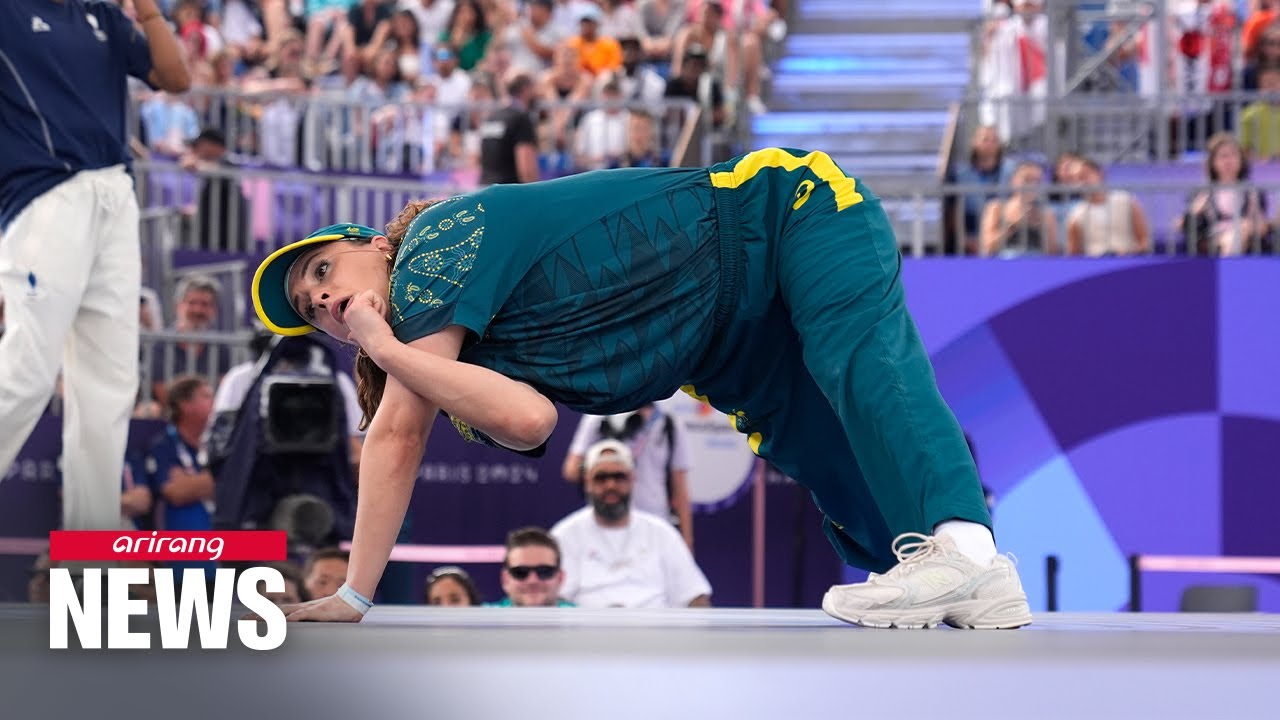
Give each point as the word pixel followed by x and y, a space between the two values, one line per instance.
pixel 1117 407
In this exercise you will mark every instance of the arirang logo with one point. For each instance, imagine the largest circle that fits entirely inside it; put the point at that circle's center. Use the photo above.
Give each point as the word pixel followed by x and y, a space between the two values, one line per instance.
pixel 107 589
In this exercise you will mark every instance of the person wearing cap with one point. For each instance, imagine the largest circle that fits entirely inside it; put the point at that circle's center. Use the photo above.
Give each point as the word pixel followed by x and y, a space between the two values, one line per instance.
pixel 596 52
pixel 768 286
pixel 617 556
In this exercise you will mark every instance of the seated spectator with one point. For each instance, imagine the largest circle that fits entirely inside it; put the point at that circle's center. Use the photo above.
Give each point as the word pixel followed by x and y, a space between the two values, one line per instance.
pixel 196 311
pixel 401 37
pixel 707 31
pixel 452 87
pixel 1066 176
pixel 1267 55
pixel 601 138
pixel 565 82
pixel 986 165
pixel 745 25
pixel 222 213
pixel 1230 218
pixel 695 83
pixel 432 16
pixel 531 38
pixel 1023 224
pixel 465 136
pixel 294 592
pixel 1106 222
pixel 468 34
pixel 597 52
pixel 325 572
pixel 531 572
pixel 1262 17
pixel 618 557
pixel 638 82
pixel 618 19
pixel 1260 121
pixel 451 586
pixel 168 124
pixel 660 20
pixel 642 145
pixel 176 466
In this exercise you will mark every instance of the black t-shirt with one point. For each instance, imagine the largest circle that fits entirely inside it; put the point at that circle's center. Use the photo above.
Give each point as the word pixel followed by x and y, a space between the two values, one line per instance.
pixel 677 87
pixel 364 31
pixel 500 133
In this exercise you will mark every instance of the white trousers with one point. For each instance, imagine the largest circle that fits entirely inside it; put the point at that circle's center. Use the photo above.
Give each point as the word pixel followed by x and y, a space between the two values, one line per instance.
pixel 70 275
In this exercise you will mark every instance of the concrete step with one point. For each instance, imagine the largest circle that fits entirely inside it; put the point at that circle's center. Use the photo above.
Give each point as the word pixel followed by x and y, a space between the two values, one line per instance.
pixel 877 47
pixel 915 143
pixel 901 17
pixel 799 93
pixel 829 123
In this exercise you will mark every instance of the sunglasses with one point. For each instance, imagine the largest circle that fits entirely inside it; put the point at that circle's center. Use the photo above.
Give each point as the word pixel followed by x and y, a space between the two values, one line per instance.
pixel 522 572
pixel 615 476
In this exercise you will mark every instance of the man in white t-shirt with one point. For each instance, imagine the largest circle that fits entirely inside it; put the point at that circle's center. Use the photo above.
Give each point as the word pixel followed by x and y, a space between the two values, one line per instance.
pixel 614 556
pixel 659 448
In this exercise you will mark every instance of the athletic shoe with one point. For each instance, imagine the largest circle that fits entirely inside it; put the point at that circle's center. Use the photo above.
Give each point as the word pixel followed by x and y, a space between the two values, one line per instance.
pixel 933 583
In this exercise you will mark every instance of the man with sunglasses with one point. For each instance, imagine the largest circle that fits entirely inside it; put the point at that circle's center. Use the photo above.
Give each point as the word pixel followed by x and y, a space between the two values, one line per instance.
pixel 531 572
pixel 619 557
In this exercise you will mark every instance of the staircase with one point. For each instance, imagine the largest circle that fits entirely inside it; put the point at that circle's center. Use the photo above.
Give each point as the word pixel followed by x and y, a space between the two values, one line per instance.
pixel 870 82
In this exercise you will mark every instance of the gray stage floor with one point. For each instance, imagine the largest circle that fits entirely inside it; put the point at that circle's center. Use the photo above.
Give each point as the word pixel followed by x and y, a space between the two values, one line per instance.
pixel 722 663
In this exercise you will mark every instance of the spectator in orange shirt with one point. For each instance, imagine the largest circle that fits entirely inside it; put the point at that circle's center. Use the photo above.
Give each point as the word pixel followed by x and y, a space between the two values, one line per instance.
pixel 1264 13
pixel 596 53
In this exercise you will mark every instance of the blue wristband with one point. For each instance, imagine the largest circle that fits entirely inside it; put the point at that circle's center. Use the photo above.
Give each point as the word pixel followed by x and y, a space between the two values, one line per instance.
pixel 358 602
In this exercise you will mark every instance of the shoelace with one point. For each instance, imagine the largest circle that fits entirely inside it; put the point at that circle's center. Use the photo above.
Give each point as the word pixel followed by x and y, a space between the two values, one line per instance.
pixel 911 549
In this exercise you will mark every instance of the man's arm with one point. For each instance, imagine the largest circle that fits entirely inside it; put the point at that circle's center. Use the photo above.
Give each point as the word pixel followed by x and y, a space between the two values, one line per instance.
pixel 682 505
pixel 526 142
pixel 168 70
pixel 183 487
pixel 512 413
pixel 701 601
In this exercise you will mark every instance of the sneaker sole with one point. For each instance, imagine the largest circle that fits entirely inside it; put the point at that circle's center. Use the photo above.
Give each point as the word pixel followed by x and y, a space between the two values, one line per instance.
pixel 1006 614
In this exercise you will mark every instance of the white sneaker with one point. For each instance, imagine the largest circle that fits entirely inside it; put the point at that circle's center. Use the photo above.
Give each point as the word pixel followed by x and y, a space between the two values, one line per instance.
pixel 933 583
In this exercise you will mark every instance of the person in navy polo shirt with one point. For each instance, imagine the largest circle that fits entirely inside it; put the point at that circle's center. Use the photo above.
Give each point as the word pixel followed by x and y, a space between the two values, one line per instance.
pixel 70 266
pixel 176 467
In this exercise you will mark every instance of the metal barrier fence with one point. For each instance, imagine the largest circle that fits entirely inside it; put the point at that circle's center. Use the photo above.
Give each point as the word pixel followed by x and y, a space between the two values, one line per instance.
pixel 166 354
pixel 1117 218
pixel 284 206
pixel 328 132
pixel 1116 127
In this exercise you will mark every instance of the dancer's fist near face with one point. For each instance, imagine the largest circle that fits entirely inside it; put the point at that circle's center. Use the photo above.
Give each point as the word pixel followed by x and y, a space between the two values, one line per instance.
pixel 366 321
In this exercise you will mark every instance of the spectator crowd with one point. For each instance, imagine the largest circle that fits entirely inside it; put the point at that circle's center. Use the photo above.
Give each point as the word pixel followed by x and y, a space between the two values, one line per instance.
pixel 1222 78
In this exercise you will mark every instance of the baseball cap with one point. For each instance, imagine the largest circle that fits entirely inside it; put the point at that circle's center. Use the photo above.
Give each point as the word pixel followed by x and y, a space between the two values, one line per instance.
pixel 270 288
pixel 608 451
pixel 590 12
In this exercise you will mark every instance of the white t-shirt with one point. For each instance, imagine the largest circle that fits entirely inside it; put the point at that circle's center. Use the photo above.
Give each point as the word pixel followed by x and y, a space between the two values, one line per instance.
pixel 643 565
pixel 235 385
pixel 650 449
pixel 1106 228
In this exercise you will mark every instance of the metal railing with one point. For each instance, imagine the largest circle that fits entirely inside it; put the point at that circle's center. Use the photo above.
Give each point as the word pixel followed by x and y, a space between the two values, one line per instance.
pixel 1181 218
pixel 1114 128
pixel 327 132
pixel 166 354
